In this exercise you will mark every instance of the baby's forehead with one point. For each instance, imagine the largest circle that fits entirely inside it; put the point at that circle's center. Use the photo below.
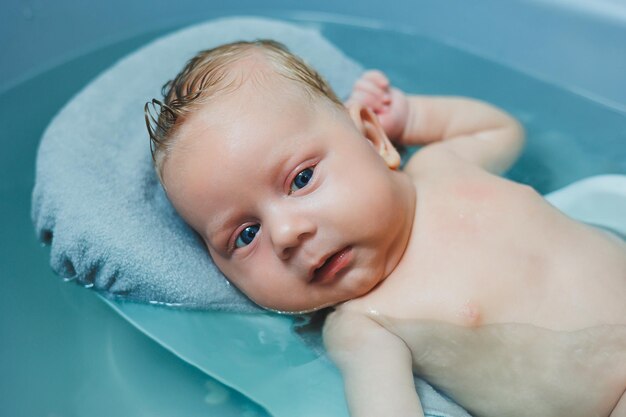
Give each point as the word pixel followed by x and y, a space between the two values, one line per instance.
pixel 256 101
pixel 255 113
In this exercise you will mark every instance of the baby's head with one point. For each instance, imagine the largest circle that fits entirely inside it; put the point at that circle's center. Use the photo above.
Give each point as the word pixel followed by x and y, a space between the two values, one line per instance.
pixel 297 198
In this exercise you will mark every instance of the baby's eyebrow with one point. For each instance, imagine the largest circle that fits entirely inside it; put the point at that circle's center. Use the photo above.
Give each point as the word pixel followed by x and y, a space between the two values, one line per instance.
pixel 219 240
pixel 219 229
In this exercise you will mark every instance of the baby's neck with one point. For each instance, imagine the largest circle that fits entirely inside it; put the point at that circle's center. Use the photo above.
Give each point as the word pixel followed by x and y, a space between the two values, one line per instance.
pixel 407 194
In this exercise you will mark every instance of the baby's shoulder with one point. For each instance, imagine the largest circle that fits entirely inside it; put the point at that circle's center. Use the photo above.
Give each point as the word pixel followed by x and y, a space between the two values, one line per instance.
pixel 434 161
pixel 348 324
pixel 348 332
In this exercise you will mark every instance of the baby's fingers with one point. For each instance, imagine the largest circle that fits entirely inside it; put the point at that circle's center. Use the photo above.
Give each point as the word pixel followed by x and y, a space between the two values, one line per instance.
pixel 367 99
pixel 377 77
pixel 370 94
pixel 363 84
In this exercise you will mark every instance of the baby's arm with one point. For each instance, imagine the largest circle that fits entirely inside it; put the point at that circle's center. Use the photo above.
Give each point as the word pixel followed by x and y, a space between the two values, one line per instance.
pixel 474 130
pixel 376 366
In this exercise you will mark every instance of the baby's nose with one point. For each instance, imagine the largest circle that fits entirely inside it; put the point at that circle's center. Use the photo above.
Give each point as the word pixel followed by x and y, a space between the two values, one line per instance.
pixel 289 232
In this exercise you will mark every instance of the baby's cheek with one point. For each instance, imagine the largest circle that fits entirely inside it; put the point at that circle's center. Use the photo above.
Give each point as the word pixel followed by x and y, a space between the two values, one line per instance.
pixel 376 209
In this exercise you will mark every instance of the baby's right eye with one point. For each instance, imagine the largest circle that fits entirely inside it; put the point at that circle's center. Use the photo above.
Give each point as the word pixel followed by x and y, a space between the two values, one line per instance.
pixel 246 236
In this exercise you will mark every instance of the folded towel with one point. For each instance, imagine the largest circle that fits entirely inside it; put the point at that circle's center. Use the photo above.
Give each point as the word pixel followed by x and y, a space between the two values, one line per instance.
pixel 97 200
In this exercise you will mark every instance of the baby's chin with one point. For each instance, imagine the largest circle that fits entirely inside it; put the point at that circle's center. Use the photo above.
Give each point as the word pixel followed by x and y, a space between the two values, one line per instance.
pixel 313 307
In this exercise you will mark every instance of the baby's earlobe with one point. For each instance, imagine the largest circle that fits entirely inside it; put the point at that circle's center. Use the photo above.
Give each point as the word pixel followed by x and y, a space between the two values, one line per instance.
pixel 392 159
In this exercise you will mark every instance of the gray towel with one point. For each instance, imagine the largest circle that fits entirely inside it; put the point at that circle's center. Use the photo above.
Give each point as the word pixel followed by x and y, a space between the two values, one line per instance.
pixel 97 200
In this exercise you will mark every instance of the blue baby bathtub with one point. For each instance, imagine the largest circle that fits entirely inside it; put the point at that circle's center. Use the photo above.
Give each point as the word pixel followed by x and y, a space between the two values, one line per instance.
pixel 66 353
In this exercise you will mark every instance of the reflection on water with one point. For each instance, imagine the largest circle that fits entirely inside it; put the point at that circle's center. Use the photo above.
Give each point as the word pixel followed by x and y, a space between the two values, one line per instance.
pixel 519 369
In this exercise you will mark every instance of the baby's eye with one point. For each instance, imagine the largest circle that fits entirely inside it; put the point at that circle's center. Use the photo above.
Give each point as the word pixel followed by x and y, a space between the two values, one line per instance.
pixel 301 180
pixel 247 236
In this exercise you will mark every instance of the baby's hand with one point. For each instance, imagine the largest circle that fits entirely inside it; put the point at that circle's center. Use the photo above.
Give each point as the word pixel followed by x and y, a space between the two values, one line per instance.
pixel 389 104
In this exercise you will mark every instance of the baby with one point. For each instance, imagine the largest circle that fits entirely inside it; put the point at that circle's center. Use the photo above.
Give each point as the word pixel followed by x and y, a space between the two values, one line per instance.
pixel 443 269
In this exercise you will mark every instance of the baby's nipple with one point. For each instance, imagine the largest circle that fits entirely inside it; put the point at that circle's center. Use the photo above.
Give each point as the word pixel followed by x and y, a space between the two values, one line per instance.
pixel 470 314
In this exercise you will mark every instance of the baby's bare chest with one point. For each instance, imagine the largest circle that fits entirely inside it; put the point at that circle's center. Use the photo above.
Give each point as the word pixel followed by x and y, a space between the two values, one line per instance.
pixel 485 252
pixel 507 304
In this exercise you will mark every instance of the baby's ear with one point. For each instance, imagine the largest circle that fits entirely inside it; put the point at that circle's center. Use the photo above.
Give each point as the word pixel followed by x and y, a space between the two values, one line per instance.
pixel 367 122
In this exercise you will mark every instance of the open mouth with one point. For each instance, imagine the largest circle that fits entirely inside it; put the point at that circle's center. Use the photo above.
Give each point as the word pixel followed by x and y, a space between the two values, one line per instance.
pixel 333 265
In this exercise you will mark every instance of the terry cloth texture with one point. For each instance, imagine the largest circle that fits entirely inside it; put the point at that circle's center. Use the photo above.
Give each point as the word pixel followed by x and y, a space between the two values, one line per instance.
pixel 97 200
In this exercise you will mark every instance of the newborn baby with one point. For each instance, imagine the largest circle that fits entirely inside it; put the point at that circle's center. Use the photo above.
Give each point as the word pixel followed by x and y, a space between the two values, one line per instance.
pixel 443 269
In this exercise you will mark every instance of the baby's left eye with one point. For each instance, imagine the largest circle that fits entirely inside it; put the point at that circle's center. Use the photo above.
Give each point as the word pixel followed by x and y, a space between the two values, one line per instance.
pixel 301 180
pixel 247 235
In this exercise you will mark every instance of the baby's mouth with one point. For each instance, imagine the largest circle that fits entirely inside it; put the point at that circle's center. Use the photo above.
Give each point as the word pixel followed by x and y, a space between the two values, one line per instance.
pixel 332 266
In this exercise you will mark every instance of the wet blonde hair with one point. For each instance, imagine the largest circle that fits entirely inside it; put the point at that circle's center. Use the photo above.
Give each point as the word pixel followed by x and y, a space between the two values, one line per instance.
pixel 205 75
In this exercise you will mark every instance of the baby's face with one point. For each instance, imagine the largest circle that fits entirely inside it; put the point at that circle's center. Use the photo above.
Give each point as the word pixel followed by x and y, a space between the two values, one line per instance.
pixel 294 203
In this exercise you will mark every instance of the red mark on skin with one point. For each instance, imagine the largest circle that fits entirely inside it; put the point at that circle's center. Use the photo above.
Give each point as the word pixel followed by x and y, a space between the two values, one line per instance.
pixel 470 313
pixel 473 191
